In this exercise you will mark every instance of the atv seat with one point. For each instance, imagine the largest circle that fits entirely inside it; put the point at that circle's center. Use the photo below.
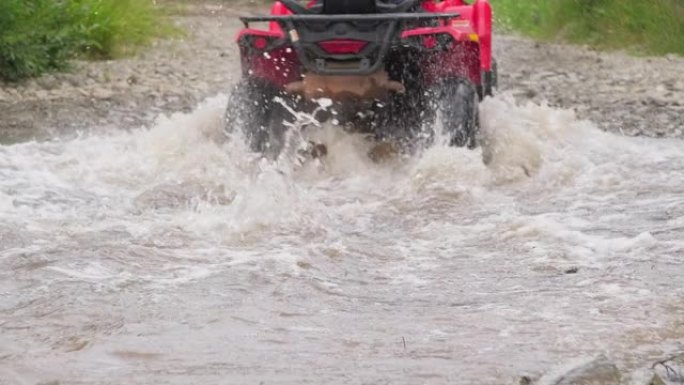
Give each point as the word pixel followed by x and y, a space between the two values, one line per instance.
pixel 337 7
pixel 351 7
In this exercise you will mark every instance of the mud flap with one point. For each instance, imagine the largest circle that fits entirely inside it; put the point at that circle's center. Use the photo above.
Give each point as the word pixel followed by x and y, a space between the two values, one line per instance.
pixel 457 104
pixel 490 81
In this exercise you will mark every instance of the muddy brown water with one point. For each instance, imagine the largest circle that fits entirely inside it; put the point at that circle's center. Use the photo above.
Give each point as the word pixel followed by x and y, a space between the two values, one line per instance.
pixel 160 255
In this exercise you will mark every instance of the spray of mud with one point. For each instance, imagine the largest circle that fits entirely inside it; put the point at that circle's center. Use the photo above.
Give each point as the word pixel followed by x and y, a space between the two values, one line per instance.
pixel 171 255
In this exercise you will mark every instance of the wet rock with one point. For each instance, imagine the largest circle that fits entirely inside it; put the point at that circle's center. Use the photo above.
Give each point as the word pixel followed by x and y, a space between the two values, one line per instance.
pixel 669 371
pixel 132 80
pixel 678 85
pixel 656 380
pixel 48 82
pixel 75 344
pixel 599 371
pixel 75 81
pixel 383 151
pixel 184 194
pixel 42 94
pixel 102 93
pixel 655 101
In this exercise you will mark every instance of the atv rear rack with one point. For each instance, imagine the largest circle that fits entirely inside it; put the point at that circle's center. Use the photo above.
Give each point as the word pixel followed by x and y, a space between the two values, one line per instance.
pixel 349 17
pixel 305 31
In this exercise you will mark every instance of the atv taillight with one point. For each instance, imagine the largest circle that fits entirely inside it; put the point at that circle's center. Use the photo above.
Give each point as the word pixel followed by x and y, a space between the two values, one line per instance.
pixel 430 42
pixel 260 43
pixel 257 43
pixel 342 46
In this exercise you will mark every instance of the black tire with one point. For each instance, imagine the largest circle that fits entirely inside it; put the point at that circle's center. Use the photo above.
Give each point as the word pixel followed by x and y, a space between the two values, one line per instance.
pixel 401 119
pixel 253 109
pixel 457 107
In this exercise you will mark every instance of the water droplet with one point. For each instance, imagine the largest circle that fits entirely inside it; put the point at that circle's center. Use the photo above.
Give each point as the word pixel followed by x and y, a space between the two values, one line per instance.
pixel 324 102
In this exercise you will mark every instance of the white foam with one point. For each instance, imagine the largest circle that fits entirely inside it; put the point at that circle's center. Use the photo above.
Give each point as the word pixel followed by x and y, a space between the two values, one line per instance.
pixel 179 206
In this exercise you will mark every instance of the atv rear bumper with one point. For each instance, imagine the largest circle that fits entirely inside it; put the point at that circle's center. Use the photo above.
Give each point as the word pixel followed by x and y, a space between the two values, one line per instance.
pixel 374 35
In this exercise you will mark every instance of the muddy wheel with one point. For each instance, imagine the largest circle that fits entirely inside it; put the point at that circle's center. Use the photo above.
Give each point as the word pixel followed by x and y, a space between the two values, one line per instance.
pixel 253 109
pixel 400 120
pixel 457 107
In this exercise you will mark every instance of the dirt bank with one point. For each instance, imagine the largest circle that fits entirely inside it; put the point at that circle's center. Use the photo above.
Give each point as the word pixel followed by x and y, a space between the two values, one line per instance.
pixel 634 96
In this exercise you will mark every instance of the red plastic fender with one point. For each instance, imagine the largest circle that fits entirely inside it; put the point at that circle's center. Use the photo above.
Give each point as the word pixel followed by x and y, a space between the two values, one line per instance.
pixel 482 17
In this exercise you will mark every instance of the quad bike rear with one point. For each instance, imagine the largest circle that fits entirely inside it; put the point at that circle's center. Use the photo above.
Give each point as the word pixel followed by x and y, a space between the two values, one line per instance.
pixel 391 70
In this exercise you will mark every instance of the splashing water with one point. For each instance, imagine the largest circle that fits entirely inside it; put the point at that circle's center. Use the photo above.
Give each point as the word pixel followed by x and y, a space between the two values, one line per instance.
pixel 167 255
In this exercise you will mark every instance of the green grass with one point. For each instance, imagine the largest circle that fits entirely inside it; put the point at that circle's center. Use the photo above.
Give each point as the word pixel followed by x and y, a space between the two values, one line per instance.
pixel 640 26
pixel 37 36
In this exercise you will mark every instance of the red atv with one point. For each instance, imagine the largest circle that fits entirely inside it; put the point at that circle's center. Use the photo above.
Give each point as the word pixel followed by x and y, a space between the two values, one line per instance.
pixel 388 68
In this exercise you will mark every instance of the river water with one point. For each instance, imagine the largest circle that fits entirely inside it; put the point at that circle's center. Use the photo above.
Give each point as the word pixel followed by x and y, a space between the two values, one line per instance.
pixel 161 256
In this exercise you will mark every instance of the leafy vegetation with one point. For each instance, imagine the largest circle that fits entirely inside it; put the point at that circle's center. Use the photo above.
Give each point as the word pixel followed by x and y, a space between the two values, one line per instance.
pixel 642 26
pixel 43 35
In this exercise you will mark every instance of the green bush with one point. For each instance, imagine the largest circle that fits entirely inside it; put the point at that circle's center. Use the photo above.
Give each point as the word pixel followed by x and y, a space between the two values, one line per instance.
pixel 43 35
pixel 642 26
pixel 113 28
pixel 34 37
